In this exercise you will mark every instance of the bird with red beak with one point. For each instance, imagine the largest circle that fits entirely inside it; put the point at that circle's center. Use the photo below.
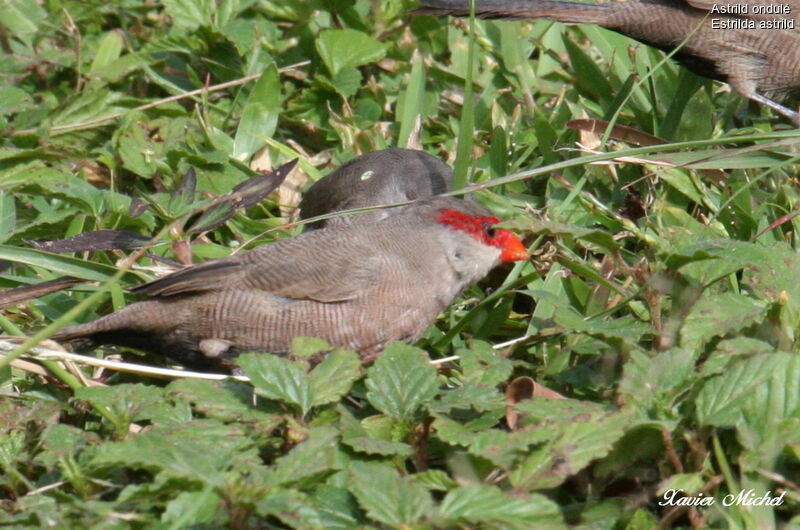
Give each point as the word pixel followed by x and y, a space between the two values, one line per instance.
pixel 356 286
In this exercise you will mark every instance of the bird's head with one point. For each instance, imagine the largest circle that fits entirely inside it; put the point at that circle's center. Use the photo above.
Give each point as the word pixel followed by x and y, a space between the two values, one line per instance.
pixel 481 228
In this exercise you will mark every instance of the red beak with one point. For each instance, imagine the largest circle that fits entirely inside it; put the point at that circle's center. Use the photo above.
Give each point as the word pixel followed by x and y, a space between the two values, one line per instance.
pixel 513 249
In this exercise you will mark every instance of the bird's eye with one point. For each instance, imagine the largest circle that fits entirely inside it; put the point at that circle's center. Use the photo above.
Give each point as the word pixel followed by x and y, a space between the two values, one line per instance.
pixel 490 232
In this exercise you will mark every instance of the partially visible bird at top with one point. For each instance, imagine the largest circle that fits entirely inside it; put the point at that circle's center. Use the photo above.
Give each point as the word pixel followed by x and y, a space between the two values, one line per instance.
pixel 761 63
pixel 356 286
pixel 381 177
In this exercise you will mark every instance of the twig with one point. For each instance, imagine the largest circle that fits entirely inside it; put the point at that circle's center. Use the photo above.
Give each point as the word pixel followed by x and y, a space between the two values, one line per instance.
pixel 40 353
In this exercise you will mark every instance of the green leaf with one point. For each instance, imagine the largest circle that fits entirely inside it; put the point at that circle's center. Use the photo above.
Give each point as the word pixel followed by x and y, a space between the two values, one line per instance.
pixel 226 401
pixel 190 14
pixel 259 116
pixel 341 49
pixel 60 441
pixel 332 378
pixel 8 215
pixel 13 99
pixel 316 454
pixel 626 329
pixel 686 482
pixel 472 395
pixel 600 238
pixel 304 347
pixel 435 479
pixel 766 383
pixel 336 507
pixel 409 105
pixel 719 314
pixel 109 51
pixel 199 450
pixel 589 78
pixel 363 440
pixel 63 265
pixel 401 381
pixel 481 504
pixel 192 508
pixel 658 380
pixel 579 432
pixel 23 19
pixel 293 508
pixel 388 497
pixel 483 365
pixel 278 378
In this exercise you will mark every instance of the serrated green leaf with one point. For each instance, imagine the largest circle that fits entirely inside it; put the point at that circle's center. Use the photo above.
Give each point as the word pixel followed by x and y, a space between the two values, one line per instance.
pixel 190 14
pixel 316 454
pixel 342 49
pixel 766 383
pixel 401 381
pixel 627 329
pixel 579 432
pixel 191 508
pixel 278 378
pixel 336 507
pixel 365 438
pixel 483 504
pixel 197 450
pixel 332 378
pixel 292 508
pixel 388 497
pixel 716 315
pixel 128 403
pixel 224 401
pixel 656 381
pixel 435 479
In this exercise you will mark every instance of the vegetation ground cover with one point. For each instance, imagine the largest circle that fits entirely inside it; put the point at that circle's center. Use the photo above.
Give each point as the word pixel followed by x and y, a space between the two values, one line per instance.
pixel 661 301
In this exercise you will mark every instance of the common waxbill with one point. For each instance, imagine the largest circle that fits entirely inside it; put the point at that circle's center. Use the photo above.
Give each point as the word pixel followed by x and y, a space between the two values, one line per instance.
pixel 357 286
pixel 380 177
pixel 757 52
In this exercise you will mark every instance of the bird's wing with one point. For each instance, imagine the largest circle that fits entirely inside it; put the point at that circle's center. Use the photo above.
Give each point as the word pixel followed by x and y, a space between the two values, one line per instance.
pixel 327 275
pixel 198 278
pixel 308 267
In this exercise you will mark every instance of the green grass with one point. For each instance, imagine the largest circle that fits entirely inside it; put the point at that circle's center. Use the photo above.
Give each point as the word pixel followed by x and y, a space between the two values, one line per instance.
pixel 662 300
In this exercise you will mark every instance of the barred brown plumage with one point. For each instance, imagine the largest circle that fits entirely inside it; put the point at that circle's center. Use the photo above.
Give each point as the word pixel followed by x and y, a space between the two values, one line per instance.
pixel 356 286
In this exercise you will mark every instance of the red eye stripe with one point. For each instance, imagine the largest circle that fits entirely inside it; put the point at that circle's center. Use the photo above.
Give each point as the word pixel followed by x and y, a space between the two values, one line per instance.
pixel 474 225
pixel 478 226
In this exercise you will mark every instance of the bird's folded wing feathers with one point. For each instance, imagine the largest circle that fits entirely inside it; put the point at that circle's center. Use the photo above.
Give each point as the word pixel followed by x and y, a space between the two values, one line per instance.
pixel 321 271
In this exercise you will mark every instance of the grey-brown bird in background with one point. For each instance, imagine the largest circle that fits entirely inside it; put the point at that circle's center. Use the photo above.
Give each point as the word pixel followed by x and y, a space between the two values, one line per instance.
pixel 760 64
pixel 380 177
pixel 357 286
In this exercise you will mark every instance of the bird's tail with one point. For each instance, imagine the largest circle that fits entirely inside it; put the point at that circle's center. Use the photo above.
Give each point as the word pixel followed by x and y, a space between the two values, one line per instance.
pixel 127 320
pixel 569 12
